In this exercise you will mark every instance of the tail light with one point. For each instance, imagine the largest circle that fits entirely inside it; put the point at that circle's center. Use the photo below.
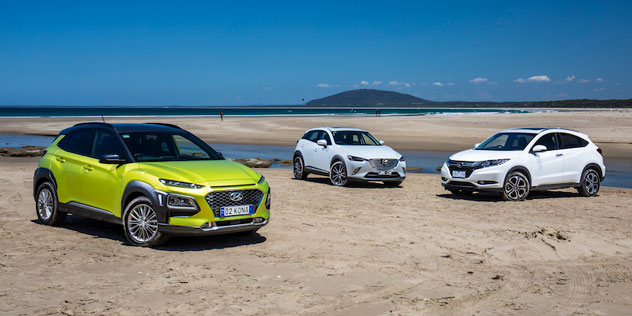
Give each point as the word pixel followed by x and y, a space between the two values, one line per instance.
pixel 600 151
pixel 44 152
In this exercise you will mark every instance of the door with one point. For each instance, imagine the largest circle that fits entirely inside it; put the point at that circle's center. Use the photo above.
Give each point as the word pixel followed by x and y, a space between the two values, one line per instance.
pixel 572 147
pixel 309 147
pixel 75 147
pixel 323 154
pixel 101 183
pixel 547 167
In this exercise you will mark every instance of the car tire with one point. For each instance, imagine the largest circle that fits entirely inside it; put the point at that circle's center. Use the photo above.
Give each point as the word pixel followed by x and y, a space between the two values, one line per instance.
pixel 338 174
pixel 392 184
pixel 47 205
pixel 140 224
pixel 516 187
pixel 460 192
pixel 590 183
pixel 299 168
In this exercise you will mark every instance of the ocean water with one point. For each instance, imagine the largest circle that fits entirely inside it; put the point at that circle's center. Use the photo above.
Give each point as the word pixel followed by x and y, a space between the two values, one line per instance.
pixel 93 111
pixel 618 170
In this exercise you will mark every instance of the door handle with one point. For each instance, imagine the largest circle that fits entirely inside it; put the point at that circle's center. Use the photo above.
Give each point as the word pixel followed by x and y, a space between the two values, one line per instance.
pixel 61 159
pixel 88 167
pixel 559 155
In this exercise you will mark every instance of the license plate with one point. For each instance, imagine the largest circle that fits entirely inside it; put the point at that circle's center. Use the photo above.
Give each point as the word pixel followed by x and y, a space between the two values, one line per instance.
pixel 458 174
pixel 235 210
pixel 383 173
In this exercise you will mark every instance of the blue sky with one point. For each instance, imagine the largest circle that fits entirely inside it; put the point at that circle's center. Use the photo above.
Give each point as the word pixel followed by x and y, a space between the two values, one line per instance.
pixel 264 52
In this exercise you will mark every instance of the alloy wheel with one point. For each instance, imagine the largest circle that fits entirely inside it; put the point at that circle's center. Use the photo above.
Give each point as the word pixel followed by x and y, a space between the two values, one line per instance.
pixel 45 204
pixel 516 187
pixel 591 182
pixel 142 223
pixel 338 174
pixel 298 167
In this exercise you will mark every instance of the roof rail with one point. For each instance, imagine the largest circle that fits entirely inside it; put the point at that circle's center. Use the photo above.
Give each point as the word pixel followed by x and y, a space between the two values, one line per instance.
pixel 166 124
pixel 96 123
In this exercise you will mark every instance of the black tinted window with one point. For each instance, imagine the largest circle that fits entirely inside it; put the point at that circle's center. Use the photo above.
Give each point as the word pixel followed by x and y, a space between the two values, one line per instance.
pixel 312 136
pixel 507 141
pixel 325 136
pixel 548 140
pixel 106 144
pixel 161 146
pixel 572 141
pixel 78 142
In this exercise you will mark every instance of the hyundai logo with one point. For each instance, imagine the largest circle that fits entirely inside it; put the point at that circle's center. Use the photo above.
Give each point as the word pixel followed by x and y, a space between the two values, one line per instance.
pixel 236 196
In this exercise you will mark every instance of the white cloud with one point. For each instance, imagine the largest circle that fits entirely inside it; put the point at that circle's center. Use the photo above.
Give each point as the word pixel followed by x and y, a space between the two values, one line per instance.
pixel 599 89
pixel 541 78
pixel 326 85
pixel 450 83
pixel 437 83
pixel 599 79
pixel 478 80
pixel 406 84
pixel 583 81
pixel 393 83
pixel 364 83
pixel 570 78
pixel 377 83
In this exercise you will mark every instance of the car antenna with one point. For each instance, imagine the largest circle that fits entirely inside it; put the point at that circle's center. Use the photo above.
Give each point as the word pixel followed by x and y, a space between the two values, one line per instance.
pixel 102 118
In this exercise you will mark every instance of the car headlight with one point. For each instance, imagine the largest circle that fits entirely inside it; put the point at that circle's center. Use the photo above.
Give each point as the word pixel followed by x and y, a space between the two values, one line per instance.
pixel 261 180
pixel 402 158
pixel 355 158
pixel 180 184
pixel 268 199
pixel 181 202
pixel 490 163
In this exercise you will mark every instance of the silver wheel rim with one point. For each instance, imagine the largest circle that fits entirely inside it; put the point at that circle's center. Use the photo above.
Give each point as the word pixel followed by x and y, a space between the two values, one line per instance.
pixel 142 223
pixel 591 183
pixel 298 167
pixel 338 174
pixel 45 204
pixel 516 187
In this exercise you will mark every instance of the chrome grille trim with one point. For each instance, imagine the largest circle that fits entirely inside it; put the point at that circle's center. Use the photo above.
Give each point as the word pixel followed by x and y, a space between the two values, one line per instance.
pixel 218 199
pixel 378 163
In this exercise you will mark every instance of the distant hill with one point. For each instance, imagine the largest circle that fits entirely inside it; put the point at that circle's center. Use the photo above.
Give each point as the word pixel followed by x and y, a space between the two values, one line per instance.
pixel 369 97
pixel 372 97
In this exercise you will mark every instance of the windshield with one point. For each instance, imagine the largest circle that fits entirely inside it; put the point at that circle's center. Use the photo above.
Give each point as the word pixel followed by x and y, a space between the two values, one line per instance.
pixel 507 141
pixel 167 146
pixel 354 138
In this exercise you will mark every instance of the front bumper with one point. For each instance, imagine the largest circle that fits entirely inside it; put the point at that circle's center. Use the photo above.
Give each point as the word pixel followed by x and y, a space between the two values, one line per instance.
pixel 484 179
pixel 363 171
pixel 176 230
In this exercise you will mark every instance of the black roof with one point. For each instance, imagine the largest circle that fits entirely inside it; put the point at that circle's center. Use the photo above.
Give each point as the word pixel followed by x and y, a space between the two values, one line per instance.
pixel 126 127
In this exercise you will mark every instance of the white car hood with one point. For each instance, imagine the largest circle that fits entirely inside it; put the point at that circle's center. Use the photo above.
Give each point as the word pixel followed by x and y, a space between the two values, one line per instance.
pixel 482 155
pixel 371 152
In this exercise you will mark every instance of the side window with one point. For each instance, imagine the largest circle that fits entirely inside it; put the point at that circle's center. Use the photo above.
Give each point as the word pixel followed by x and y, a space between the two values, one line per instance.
pixel 312 136
pixel 105 143
pixel 78 142
pixel 187 148
pixel 548 140
pixel 572 141
pixel 324 135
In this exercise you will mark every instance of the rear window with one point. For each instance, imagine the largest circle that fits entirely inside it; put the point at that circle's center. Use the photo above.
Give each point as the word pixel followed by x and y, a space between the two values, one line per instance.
pixel 78 142
pixel 571 141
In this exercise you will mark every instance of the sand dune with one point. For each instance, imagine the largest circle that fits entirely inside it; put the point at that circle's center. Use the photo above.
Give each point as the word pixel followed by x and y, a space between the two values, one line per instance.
pixel 362 250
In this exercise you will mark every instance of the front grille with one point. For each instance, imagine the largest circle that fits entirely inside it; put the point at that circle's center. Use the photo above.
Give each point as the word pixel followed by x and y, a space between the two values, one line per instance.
pixel 374 175
pixel 234 222
pixel 383 164
pixel 467 166
pixel 218 199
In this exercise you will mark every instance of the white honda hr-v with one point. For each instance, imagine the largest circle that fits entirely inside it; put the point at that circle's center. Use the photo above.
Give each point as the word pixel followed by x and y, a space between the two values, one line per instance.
pixel 517 161
pixel 347 154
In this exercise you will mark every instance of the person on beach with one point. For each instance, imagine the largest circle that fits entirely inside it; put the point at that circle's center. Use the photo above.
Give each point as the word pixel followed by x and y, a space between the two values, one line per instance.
pixel 221 115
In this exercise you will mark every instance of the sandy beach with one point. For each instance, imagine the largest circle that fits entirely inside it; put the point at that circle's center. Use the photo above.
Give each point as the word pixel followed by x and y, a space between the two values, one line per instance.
pixel 610 129
pixel 360 250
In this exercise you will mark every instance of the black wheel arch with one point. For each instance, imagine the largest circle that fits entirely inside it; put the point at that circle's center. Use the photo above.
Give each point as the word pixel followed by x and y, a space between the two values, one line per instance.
pixel 523 170
pixel 137 188
pixel 42 175
pixel 298 153
pixel 597 168
pixel 335 158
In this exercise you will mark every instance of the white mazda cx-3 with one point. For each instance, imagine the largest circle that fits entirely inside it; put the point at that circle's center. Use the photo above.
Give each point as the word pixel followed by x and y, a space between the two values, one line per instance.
pixel 345 154
pixel 517 161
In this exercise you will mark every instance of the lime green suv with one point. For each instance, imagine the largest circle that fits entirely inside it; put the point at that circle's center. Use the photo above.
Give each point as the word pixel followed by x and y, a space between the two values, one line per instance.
pixel 156 180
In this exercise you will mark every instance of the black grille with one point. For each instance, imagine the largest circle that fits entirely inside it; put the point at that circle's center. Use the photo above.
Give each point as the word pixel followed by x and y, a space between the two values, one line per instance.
pixel 373 175
pixel 462 184
pixel 467 166
pixel 218 199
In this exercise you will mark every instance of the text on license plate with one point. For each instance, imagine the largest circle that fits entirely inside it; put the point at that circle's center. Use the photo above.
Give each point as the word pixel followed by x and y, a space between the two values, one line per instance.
pixel 235 210
pixel 385 172
pixel 458 174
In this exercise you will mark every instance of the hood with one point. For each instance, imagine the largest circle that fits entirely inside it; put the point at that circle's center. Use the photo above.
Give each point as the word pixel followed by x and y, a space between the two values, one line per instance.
pixel 371 152
pixel 207 172
pixel 482 155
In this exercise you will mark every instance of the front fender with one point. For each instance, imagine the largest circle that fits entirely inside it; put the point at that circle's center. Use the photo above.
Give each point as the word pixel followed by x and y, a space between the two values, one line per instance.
pixel 40 175
pixel 136 188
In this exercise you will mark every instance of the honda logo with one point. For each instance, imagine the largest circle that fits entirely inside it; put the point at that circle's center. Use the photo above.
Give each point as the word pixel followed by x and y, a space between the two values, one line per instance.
pixel 459 165
pixel 384 161
pixel 236 196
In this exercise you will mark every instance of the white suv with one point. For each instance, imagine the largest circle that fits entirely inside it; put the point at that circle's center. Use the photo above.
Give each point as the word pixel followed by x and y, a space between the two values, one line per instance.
pixel 345 154
pixel 517 161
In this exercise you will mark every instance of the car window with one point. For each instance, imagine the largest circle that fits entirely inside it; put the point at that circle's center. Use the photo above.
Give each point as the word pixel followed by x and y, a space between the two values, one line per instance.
pixel 166 146
pixel 312 136
pixel 507 141
pixel 354 138
pixel 548 140
pixel 78 142
pixel 188 149
pixel 105 143
pixel 572 141
pixel 324 135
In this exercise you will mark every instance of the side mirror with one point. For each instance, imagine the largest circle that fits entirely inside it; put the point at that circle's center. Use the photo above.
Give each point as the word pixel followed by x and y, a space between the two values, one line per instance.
pixel 381 142
pixel 322 142
pixel 539 148
pixel 112 159
pixel 476 145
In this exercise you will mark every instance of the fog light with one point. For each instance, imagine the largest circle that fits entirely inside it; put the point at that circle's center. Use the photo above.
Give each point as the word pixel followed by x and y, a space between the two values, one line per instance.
pixel 207 225
pixel 444 179
pixel 356 170
pixel 486 182
pixel 258 219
